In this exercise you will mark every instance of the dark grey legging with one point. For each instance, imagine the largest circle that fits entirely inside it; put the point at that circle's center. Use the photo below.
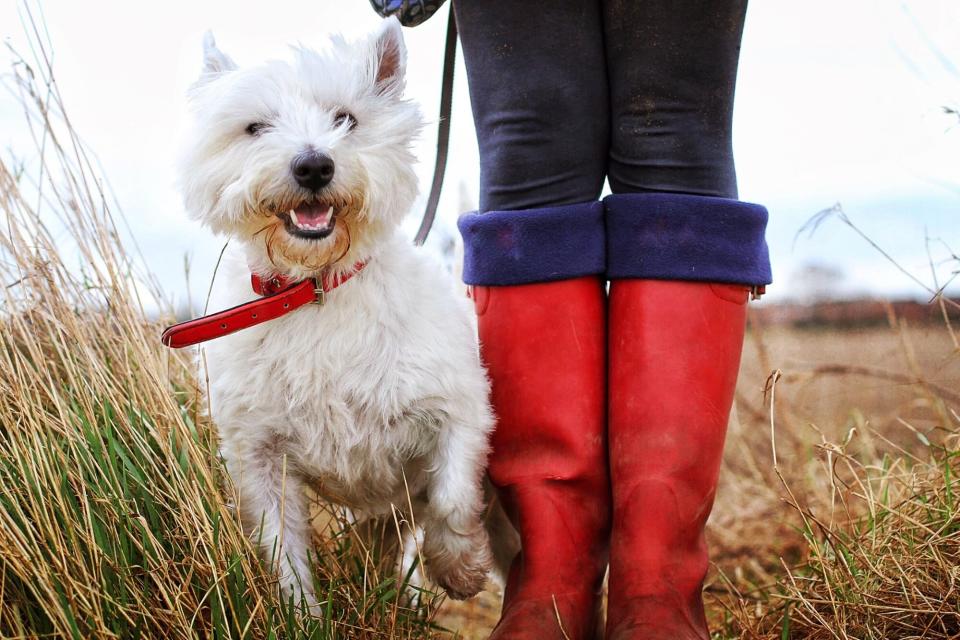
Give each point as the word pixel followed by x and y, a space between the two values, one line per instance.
pixel 568 92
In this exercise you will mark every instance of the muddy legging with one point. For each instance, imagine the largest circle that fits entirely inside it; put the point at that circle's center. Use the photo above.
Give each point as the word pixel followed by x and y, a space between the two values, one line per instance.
pixel 566 93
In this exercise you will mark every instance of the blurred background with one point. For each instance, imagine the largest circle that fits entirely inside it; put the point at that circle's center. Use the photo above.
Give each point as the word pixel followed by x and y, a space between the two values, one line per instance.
pixel 850 103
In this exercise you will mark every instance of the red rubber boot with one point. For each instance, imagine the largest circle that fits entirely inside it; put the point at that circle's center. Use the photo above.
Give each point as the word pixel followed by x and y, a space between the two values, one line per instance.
pixel 544 347
pixel 674 357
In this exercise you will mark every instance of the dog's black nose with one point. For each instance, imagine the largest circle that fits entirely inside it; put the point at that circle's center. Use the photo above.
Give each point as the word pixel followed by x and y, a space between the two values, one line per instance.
pixel 312 170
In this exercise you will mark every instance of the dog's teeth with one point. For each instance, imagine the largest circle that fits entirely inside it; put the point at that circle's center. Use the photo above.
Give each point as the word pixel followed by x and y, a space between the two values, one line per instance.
pixel 293 217
pixel 330 211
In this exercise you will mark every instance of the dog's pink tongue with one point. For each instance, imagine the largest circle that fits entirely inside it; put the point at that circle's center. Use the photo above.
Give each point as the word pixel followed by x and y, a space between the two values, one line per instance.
pixel 314 215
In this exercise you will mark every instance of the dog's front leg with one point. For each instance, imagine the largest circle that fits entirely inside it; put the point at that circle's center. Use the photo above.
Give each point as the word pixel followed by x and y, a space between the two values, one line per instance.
pixel 273 509
pixel 456 547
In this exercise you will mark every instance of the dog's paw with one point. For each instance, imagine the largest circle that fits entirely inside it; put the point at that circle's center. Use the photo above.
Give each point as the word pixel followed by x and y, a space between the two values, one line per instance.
pixel 459 563
pixel 465 581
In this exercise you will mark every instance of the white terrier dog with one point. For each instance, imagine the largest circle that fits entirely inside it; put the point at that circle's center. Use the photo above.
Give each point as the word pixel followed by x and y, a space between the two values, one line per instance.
pixel 378 393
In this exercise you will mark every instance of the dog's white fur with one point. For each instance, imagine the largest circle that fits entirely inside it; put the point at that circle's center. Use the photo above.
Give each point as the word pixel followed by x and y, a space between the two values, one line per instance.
pixel 379 393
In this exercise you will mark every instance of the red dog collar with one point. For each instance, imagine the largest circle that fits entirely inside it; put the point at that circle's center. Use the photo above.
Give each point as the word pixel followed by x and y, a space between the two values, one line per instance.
pixel 280 297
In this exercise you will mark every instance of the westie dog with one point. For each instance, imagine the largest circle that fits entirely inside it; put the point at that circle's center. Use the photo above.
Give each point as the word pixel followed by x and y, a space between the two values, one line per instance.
pixel 376 397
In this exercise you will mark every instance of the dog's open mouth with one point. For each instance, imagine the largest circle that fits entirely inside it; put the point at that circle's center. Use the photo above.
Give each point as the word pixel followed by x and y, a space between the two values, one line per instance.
pixel 314 220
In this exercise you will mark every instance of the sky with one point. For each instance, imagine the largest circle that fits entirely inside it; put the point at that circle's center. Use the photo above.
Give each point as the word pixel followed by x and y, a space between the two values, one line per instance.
pixel 838 103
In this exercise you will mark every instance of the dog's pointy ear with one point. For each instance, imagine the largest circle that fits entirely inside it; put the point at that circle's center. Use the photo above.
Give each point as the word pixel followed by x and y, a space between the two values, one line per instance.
pixel 215 62
pixel 390 56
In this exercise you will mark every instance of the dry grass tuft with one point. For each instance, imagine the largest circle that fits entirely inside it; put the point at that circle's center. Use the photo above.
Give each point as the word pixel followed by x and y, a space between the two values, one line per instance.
pixel 114 505
pixel 847 518
pixel 887 567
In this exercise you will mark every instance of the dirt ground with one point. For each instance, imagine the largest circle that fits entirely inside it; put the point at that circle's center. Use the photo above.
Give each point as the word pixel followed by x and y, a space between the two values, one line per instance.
pixel 874 381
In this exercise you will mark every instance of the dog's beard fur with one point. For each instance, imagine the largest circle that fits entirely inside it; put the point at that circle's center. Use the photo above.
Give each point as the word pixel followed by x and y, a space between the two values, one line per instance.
pixel 267 229
pixel 282 253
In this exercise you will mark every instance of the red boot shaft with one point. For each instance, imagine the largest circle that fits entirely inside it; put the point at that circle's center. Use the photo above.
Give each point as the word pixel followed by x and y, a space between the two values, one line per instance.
pixel 544 347
pixel 674 357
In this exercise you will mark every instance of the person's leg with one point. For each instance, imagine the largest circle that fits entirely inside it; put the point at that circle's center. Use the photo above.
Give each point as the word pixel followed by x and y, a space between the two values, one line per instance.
pixel 538 90
pixel 534 255
pixel 675 237
pixel 672 68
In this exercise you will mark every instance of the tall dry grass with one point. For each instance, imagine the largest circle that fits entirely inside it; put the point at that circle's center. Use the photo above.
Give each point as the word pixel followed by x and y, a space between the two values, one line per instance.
pixel 839 515
pixel 115 517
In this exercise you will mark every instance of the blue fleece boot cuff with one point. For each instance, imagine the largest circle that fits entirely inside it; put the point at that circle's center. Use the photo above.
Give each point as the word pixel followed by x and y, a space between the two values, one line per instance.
pixel 669 236
pixel 533 245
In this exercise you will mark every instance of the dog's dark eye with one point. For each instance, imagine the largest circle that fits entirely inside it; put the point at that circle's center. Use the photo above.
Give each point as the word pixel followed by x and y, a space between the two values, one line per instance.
pixel 344 117
pixel 256 128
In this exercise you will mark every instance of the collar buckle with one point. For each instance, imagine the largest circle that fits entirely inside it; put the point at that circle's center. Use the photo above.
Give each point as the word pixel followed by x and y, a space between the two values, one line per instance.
pixel 319 294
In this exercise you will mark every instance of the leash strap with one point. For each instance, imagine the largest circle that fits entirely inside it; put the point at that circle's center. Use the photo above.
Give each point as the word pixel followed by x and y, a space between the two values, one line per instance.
pixel 443 130
pixel 280 297
pixel 249 314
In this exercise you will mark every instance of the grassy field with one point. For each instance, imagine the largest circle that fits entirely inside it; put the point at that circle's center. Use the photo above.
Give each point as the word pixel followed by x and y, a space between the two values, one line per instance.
pixel 837 515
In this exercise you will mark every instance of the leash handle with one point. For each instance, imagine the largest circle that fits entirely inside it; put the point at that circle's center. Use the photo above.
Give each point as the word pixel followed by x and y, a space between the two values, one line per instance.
pixel 443 130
